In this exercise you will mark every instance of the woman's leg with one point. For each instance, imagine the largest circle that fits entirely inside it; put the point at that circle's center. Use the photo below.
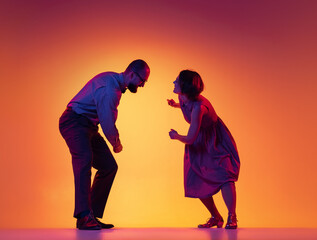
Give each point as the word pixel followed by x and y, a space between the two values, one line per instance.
pixel 228 191
pixel 216 219
pixel 210 205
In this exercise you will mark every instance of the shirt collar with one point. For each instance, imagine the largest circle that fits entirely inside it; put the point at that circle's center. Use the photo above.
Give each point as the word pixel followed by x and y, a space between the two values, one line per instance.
pixel 120 80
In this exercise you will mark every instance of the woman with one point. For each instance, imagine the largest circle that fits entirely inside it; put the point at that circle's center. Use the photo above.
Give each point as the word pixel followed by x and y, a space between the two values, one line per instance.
pixel 211 161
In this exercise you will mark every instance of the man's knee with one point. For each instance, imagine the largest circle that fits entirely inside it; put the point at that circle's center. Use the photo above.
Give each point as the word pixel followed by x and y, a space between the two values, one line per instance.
pixel 109 170
pixel 114 168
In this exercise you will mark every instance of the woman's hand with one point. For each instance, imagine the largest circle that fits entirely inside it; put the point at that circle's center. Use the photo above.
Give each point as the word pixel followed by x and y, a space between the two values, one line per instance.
pixel 173 134
pixel 172 103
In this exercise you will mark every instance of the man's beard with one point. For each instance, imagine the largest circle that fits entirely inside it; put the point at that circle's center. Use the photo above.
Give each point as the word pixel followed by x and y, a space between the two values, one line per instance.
pixel 133 88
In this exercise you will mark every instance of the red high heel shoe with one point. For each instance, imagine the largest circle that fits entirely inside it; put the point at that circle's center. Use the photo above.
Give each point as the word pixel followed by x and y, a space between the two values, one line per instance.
pixel 232 222
pixel 213 221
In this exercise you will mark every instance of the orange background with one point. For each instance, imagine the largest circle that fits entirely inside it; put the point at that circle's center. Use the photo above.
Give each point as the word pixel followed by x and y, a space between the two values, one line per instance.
pixel 258 62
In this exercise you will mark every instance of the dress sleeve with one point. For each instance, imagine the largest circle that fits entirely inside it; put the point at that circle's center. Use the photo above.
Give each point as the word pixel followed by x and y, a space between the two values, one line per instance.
pixel 107 103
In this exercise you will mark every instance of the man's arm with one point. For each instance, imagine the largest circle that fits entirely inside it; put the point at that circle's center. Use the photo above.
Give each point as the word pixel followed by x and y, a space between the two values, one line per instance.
pixel 107 103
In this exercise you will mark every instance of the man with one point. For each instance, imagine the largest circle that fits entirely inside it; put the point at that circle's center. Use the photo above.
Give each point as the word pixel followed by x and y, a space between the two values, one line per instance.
pixel 96 103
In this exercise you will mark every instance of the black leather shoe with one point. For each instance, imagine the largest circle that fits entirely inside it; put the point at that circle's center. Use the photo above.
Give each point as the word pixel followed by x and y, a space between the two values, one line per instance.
pixel 88 223
pixel 213 221
pixel 104 225
pixel 232 222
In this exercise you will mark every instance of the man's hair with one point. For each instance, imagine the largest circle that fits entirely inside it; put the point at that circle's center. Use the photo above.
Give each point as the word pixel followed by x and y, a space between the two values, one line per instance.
pixel 191 84
pixel 137 66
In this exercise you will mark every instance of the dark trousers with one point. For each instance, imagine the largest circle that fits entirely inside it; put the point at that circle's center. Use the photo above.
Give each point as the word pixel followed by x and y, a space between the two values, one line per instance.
pixel 88 149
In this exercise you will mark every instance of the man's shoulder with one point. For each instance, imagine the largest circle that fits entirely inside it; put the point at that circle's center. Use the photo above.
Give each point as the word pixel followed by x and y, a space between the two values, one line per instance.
pixel 106 84
pixel 104 79
pixel 106 76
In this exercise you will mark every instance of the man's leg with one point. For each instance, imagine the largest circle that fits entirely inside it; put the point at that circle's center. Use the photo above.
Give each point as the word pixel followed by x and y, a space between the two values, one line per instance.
pixel 106 167
pixel 74 130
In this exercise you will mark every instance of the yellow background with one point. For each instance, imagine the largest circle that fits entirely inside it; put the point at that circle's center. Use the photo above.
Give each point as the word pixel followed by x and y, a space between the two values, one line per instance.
pixel 258 62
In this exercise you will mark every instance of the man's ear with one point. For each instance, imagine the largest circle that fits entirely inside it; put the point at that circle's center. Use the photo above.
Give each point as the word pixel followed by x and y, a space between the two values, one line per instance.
pixel 128 76
pixel 131 74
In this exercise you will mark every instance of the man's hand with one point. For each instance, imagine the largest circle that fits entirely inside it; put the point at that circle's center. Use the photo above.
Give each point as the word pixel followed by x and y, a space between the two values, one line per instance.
pixel 117 148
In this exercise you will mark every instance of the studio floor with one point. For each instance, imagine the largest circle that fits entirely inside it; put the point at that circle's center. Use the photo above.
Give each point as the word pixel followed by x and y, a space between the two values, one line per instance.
pixel 161 234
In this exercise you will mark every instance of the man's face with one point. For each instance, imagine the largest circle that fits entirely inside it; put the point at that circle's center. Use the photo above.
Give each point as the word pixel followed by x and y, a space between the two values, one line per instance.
pixel 132 87
pixel 136 81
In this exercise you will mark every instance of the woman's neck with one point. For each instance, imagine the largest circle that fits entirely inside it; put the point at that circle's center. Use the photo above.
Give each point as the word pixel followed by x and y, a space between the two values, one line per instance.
pixel 184 98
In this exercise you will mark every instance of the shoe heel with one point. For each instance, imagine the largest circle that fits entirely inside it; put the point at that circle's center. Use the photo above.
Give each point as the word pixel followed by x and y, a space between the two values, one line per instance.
pixel 219 224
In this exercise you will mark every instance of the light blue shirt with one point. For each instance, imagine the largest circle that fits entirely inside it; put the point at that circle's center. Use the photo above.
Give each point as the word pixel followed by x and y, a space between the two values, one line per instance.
pixel 98 100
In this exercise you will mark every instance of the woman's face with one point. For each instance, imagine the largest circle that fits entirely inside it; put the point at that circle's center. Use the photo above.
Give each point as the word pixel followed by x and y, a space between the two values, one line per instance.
pixel 177 88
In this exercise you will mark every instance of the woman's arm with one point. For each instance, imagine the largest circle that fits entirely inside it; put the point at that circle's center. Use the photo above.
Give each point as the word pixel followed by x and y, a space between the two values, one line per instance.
pixel 193 131
pixel 172 103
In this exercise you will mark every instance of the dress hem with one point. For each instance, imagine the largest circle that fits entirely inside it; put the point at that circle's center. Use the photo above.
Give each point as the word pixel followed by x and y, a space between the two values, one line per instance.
pixel 208 195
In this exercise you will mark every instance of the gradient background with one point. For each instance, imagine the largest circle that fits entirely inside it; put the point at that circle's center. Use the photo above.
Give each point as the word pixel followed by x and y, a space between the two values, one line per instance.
pixel 258 62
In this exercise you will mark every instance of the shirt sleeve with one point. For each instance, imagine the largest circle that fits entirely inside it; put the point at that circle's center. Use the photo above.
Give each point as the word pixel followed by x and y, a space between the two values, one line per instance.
pixel 107 103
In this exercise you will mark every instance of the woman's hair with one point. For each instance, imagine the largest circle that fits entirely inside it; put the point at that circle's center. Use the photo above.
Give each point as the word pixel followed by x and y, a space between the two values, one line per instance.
pixel 191 84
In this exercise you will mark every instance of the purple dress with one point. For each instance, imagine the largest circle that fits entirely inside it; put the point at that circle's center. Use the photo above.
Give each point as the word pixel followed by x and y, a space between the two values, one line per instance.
pixel 212 159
